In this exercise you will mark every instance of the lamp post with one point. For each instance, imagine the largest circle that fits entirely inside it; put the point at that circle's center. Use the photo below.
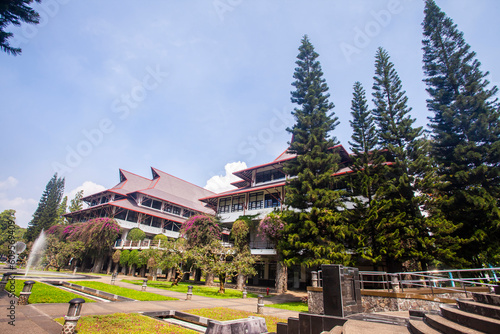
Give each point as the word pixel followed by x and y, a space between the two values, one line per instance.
pixel 144 284
pixel 71 319
pixel 189 293
pixel 24 295
pixel 244 292
pixel 5 280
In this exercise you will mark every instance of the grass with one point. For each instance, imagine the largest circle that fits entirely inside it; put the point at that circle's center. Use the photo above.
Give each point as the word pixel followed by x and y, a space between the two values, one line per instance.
pixel 224 314
pixel 132 323
pixel 291 306
pixel 198 290
pixel 44 293
pixel 124 292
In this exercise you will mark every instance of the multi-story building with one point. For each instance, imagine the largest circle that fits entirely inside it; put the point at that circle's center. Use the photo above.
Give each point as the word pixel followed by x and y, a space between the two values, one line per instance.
pixel 157 206
pixel 162 204
pixel 260 191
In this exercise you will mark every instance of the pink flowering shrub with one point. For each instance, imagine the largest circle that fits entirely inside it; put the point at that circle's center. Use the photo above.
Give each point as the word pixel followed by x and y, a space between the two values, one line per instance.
pixel 201 230
pixel 97 234
pixel 271 227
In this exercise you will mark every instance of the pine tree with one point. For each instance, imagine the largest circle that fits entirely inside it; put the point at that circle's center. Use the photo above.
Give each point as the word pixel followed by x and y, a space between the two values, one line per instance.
pixel 76 204
pixel 404 233
pixel 14 12
pixel 466 130
pixel 367 174
pixel 314 231
pixel 48 209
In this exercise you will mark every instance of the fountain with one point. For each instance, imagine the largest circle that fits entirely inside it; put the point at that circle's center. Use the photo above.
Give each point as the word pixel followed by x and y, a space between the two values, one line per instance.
pixel 37 251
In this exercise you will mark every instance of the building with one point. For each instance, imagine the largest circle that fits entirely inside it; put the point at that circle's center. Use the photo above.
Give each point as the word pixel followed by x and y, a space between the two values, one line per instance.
pixel 162 204
pixel 260 191
pixel 159 205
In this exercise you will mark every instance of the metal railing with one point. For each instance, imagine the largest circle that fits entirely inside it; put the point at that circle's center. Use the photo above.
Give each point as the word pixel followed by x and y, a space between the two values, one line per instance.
pixel 454 280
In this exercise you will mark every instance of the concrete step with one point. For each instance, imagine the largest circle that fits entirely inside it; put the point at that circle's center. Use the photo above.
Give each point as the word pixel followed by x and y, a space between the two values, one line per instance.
pixel 486 298
pixel 475 321
pixel 446 326
pixel 366 327
pixel 491 311
pixel 420 327
pixel 335 330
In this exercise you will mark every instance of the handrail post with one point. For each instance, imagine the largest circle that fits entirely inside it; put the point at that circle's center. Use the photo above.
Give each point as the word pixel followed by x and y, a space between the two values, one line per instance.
pixel 401 282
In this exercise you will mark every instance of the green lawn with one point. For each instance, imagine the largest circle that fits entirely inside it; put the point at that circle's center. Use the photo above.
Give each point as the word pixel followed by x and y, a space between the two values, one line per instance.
pixel 223 314
pixel 44 293
pixel 198 290
pixel 132 323
pixel 124 292
pixel 291 306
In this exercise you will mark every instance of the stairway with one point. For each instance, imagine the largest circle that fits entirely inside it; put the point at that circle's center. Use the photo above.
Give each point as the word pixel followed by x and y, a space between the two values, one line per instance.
pixel 480 314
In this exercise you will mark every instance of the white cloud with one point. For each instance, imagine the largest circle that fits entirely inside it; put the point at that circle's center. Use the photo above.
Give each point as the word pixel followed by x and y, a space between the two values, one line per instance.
pixel 220 183
pixel 11 182
pixel 25 207
pixel 88 188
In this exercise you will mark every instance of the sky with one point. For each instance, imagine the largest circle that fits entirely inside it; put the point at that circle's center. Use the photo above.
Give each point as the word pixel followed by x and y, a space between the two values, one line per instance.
pixel 197 89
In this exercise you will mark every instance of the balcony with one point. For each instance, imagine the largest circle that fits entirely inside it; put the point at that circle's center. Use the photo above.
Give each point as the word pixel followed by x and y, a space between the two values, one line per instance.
pixel 230 217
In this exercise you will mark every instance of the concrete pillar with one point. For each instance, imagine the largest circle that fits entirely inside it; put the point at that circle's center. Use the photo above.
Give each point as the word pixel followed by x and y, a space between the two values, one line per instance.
pixel 314 279
pixel 395 283
pixel 260 304
pixel 144 284
pixel 24 295
pixel 113 278
pixel 189 295
pixel 5 280
pixel 71 319
pixel 244 292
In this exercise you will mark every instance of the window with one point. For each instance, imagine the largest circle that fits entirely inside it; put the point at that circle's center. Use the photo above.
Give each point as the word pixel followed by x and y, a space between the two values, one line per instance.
pixel 272 200
pixel 238 203
pixel 147 220
pixel 176 210
pixel 157 222
pixel 104 199
pixel 121 215
pixel 156 205
pixel 132 216
pixel 187 213
pixel 224 205
pixel 269 175
pixel 146 202
pixel 93 202
pixel 168 208
pixel 255 201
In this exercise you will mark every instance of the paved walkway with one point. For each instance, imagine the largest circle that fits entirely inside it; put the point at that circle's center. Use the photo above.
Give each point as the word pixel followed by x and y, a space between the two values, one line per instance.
pixel 37 318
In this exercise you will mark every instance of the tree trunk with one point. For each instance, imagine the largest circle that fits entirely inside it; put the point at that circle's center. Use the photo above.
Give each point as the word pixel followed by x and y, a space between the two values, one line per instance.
pixel 178 277
pixel 222 280
pixel 281 277
pixel 115 270
pixel 240 281
pixel 110 266
pixel 169 274
pixel 124 270
pixel 209 279
pixel 98 263
pixel 143 272
pixel 154 273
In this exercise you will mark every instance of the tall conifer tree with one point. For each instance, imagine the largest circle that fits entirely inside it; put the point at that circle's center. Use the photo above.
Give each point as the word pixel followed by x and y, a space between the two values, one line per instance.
pixel 313 234
pixel 405 233
pixel 466 132
pixel 48 210
pixel 367 174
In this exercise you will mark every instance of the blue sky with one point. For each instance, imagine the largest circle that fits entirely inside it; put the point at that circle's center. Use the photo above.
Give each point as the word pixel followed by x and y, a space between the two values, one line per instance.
pixel 191 86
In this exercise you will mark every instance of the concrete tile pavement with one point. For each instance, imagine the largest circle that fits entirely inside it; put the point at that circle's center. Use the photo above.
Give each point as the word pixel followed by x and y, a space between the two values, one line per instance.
pixel 38 318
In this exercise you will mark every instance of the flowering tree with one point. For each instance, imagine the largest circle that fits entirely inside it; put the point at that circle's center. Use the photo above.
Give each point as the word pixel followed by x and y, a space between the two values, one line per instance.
pixel 271 227
pixel 98 236
pixel 200 230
